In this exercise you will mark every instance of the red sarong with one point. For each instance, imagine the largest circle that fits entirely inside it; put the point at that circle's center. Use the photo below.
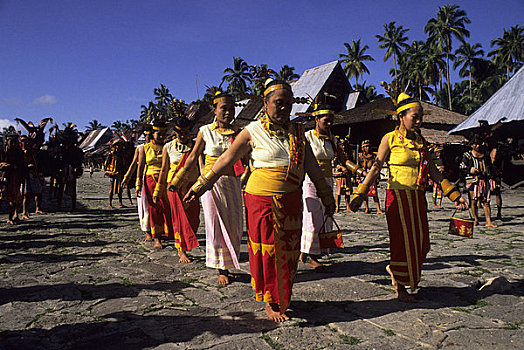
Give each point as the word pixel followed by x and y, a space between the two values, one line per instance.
pixel 408 234
pixel 159 213
pixel 185 221
pixel 274 229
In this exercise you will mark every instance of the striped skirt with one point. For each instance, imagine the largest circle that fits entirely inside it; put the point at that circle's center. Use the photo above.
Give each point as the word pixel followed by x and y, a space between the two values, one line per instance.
pixel 313 217
pixel 159 213
pixel 408 234
pixel 222 207
pixel 274 226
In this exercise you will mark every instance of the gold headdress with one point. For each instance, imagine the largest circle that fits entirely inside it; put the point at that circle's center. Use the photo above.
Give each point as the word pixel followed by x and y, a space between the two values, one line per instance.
pixel 397 100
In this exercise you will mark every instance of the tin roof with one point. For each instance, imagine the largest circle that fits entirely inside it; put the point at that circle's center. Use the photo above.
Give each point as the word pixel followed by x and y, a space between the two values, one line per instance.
pixel 507 102
pixel 94 137
pixel 310 84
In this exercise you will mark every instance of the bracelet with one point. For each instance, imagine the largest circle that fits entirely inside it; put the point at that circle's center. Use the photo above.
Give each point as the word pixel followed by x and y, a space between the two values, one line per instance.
pixel 354 168
pixel 204 183
pixel 449 190
pixel 179 176
pixel 159 188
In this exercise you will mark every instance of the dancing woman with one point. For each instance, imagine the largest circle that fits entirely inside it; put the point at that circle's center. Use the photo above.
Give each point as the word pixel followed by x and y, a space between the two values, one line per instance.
pixel 143 213
pixel 222 205
pixel 280 158
pixel 185 219
pixel 406 215
pixel 323 146
pixel 150 160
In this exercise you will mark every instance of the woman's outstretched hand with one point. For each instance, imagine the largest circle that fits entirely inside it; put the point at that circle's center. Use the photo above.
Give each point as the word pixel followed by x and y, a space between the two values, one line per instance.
pixel 461 204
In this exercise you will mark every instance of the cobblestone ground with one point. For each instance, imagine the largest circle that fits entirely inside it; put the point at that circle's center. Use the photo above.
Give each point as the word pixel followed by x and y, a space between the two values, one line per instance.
pixel 87 280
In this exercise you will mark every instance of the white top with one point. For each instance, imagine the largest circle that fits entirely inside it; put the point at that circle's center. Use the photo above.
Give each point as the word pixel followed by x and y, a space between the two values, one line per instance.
pixel 322 148
pixel 267 150
pixel 216 143
pixel 176 150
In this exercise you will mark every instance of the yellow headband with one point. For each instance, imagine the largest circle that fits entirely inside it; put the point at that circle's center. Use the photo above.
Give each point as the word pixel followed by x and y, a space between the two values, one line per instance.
pixel 276 87
pixel 220 99
pixel 158 128
pixel 408 106
pixel 322 111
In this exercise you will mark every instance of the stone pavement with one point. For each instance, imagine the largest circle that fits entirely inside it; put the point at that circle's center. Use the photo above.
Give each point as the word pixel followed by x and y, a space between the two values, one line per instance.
pixel 87 280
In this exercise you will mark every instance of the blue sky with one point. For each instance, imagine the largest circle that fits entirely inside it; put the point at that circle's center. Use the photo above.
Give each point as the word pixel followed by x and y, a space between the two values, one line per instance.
pixel 79 60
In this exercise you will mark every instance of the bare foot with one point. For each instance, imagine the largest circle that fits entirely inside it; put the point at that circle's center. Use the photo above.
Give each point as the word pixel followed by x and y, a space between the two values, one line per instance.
pixel 10 222
pixel 314 264
pixel 148 237
pixel 491 225
pixel 158 244
pixel 380 212
pixel 337 210
pixel 39 211
pixel 435 206
pixel 273 312
pixel 182 257
pixel 350 211
pixel 110 206
pixel 223 280
pixel 24 217
pixel 366 211
pixel 475 223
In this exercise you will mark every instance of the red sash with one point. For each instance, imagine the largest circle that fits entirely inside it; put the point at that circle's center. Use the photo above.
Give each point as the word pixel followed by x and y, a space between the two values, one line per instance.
pixel 237 167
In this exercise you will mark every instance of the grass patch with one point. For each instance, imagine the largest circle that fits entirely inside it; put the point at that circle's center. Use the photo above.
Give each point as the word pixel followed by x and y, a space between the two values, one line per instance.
pixel 481 303
pixel 389 332
pixel 347 339
pixel 102 280
pixel 126 281
pixel 271 342
pixel 511 325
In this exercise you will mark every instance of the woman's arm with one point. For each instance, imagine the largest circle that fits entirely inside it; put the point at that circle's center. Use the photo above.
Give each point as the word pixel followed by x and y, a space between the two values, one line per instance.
pixel 448 189
pixel 140 171
pixel 162 177
pixel 191 161
pixel 240 147
pixel 324 192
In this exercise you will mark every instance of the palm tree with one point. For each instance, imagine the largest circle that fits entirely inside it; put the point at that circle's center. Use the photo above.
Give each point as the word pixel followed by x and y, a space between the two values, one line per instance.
pixel 237 76
pixel 210 93
pixel 94 125
pixel 162 96
pixel 370 91
pixel 510 50
pixel 413 69
pixel 354 59
pixel 433 65
pixel 260 74
pixel 287 74
pixel 393 40
pixel 117 125
pixel 466 55
pixel 450 21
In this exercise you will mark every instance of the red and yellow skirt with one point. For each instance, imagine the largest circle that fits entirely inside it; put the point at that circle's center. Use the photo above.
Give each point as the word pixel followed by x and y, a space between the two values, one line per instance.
pixel 408 234
pixel 159 213
pixel 185 220
pixel 274 225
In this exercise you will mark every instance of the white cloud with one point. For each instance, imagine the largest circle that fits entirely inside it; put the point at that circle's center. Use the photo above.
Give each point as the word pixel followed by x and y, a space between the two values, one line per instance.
pixel 45 100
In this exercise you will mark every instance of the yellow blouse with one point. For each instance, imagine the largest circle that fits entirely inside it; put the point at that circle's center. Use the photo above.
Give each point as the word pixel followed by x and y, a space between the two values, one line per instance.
pixel 404 160
pixel 153 155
